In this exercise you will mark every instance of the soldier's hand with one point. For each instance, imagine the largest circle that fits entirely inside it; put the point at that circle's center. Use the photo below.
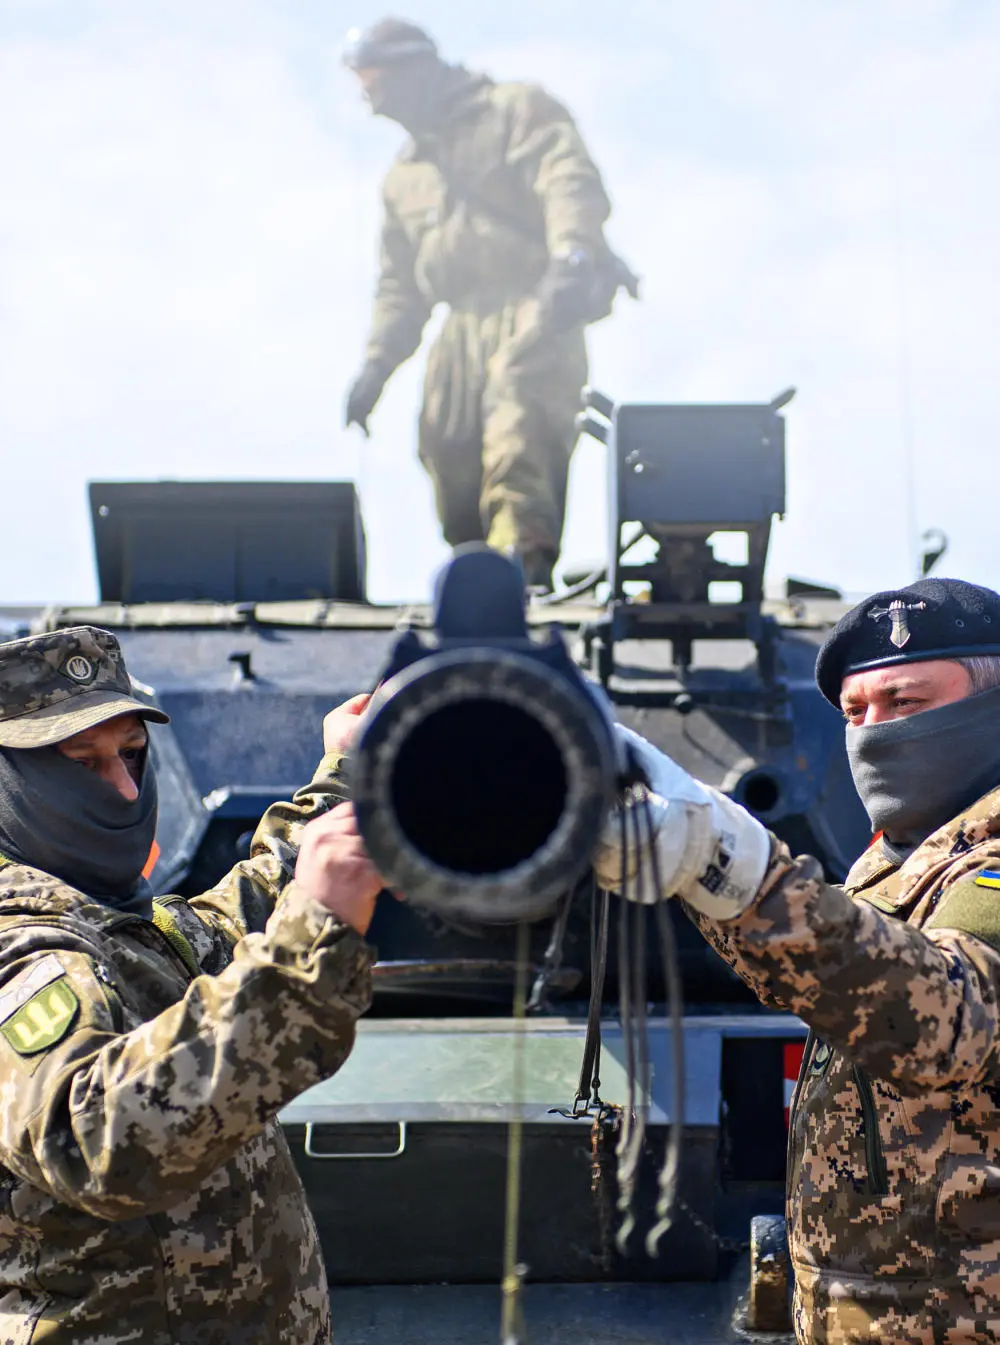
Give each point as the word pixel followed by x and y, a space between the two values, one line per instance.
pixel 340 727
pixel 362 396
pixel 709 850
pixel 565 292
pixel 334 870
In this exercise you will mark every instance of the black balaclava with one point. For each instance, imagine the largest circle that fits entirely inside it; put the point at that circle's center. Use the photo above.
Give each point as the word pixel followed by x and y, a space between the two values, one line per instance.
pixel 58 816
pixel 916 774
pixel 417 93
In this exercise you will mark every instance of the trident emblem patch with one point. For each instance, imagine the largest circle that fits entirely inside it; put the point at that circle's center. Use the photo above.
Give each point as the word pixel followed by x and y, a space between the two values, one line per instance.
pixel 897 614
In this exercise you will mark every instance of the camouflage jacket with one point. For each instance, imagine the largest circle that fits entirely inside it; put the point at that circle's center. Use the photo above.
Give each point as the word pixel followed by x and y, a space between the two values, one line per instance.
pixel 146 1191
pixel 471 217
pixel 894 1150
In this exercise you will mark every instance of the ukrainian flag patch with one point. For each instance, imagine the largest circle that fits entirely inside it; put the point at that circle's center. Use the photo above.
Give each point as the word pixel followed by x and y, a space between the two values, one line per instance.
pixel 988 878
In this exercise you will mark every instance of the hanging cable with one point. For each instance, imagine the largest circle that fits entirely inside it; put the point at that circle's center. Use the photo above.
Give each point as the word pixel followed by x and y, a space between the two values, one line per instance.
pixel 624 1147
pixel 552 962
pixel 512 1305
pixel 670 1170
pixel 588 1090
pixel 640 872
pixel 591 580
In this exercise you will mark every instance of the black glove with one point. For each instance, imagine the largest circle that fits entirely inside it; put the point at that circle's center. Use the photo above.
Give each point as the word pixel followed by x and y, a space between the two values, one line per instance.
pixel 566 292
pixel 364 393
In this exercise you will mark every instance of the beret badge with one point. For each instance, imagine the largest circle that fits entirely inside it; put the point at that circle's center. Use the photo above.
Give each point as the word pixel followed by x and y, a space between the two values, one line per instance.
pixel 897 612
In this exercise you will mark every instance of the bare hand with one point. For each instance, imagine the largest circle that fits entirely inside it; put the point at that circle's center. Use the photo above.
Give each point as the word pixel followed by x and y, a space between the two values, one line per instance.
pixel 340 726
pixel 334 869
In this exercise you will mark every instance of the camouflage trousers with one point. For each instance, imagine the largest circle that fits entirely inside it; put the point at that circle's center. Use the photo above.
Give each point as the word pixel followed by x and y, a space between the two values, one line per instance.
pixel 497 427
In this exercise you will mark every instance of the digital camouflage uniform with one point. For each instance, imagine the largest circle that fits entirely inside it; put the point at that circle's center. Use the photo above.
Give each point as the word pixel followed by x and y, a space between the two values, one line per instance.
pixel 146 1190
pixel 894 1148
pixel 515 185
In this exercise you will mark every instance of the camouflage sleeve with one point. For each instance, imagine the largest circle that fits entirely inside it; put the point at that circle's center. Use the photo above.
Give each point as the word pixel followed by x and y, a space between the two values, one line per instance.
pixel 920 1008
pixel 121 1124
pixel 718 935
pixel 243 900
pixel 400 311
pixel 545 146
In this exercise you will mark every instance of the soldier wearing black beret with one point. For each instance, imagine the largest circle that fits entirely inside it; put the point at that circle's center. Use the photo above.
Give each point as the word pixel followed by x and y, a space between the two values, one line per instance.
pixel 894 1134
pixel 930 620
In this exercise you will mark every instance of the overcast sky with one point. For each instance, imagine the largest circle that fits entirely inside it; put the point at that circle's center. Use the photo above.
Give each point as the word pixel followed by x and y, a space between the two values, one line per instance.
pixel 188 230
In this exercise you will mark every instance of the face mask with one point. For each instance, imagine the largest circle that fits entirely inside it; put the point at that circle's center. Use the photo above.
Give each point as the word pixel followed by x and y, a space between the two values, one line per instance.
pixel 60 817
pixel 915 774
pixel 414 92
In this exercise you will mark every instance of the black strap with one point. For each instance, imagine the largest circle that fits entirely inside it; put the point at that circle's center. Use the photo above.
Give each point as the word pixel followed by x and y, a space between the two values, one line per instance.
pixel 588 1089
pixel 553 957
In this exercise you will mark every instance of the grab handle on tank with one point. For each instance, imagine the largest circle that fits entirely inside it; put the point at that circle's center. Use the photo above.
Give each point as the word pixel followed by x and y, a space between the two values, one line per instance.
pixel 398 1152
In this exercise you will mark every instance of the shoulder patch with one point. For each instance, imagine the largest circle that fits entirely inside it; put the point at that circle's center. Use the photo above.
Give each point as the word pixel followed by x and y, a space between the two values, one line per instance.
pixel 43 1020
pixel 972 906
pixel 38 1006
pixel 27 983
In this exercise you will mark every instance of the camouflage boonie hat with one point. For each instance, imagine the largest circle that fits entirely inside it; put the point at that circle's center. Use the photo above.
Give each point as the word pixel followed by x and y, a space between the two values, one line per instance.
pixel 55 685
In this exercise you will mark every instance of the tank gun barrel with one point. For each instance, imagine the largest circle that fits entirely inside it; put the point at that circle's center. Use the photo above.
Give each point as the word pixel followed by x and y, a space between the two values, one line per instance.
pixel 485 764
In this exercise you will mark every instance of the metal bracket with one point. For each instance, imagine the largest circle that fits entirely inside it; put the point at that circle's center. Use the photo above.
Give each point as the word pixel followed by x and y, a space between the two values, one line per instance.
pixel 398 1152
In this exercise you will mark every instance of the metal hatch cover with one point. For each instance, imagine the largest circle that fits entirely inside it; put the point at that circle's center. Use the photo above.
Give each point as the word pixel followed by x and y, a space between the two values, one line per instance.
pixel 227 541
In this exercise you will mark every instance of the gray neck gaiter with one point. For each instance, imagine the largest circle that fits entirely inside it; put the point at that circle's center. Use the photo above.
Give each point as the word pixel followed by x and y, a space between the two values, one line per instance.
pixel 58 816
pixel 916 774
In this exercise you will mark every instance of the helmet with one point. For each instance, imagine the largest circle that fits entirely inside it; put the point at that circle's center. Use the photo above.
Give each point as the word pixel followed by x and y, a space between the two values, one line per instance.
pixel 385 43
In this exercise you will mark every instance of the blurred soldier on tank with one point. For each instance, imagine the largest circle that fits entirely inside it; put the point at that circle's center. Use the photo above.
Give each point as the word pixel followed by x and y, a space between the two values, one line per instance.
pixel 146 1047
pixel 495 208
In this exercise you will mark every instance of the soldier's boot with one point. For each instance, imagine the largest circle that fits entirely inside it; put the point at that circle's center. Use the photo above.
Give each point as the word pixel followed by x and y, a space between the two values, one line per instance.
pixel 537 567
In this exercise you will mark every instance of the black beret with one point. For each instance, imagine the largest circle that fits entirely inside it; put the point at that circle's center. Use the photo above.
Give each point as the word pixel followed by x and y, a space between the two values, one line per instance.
pixel 933 618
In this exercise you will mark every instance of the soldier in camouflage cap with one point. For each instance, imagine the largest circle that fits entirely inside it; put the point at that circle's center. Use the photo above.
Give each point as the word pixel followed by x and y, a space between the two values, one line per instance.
pixel 146 1047
pixel 894 1141
pixel 55 685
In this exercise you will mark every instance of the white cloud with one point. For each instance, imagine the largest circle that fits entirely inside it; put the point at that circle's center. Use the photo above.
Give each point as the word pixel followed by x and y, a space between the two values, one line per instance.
pixel 188 230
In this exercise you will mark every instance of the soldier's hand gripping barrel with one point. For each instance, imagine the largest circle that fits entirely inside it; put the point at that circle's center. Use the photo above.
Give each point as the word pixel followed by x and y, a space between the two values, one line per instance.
pixel 485 764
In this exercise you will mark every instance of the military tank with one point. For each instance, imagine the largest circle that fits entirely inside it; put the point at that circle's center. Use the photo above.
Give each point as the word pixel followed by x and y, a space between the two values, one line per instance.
pixel 241 608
